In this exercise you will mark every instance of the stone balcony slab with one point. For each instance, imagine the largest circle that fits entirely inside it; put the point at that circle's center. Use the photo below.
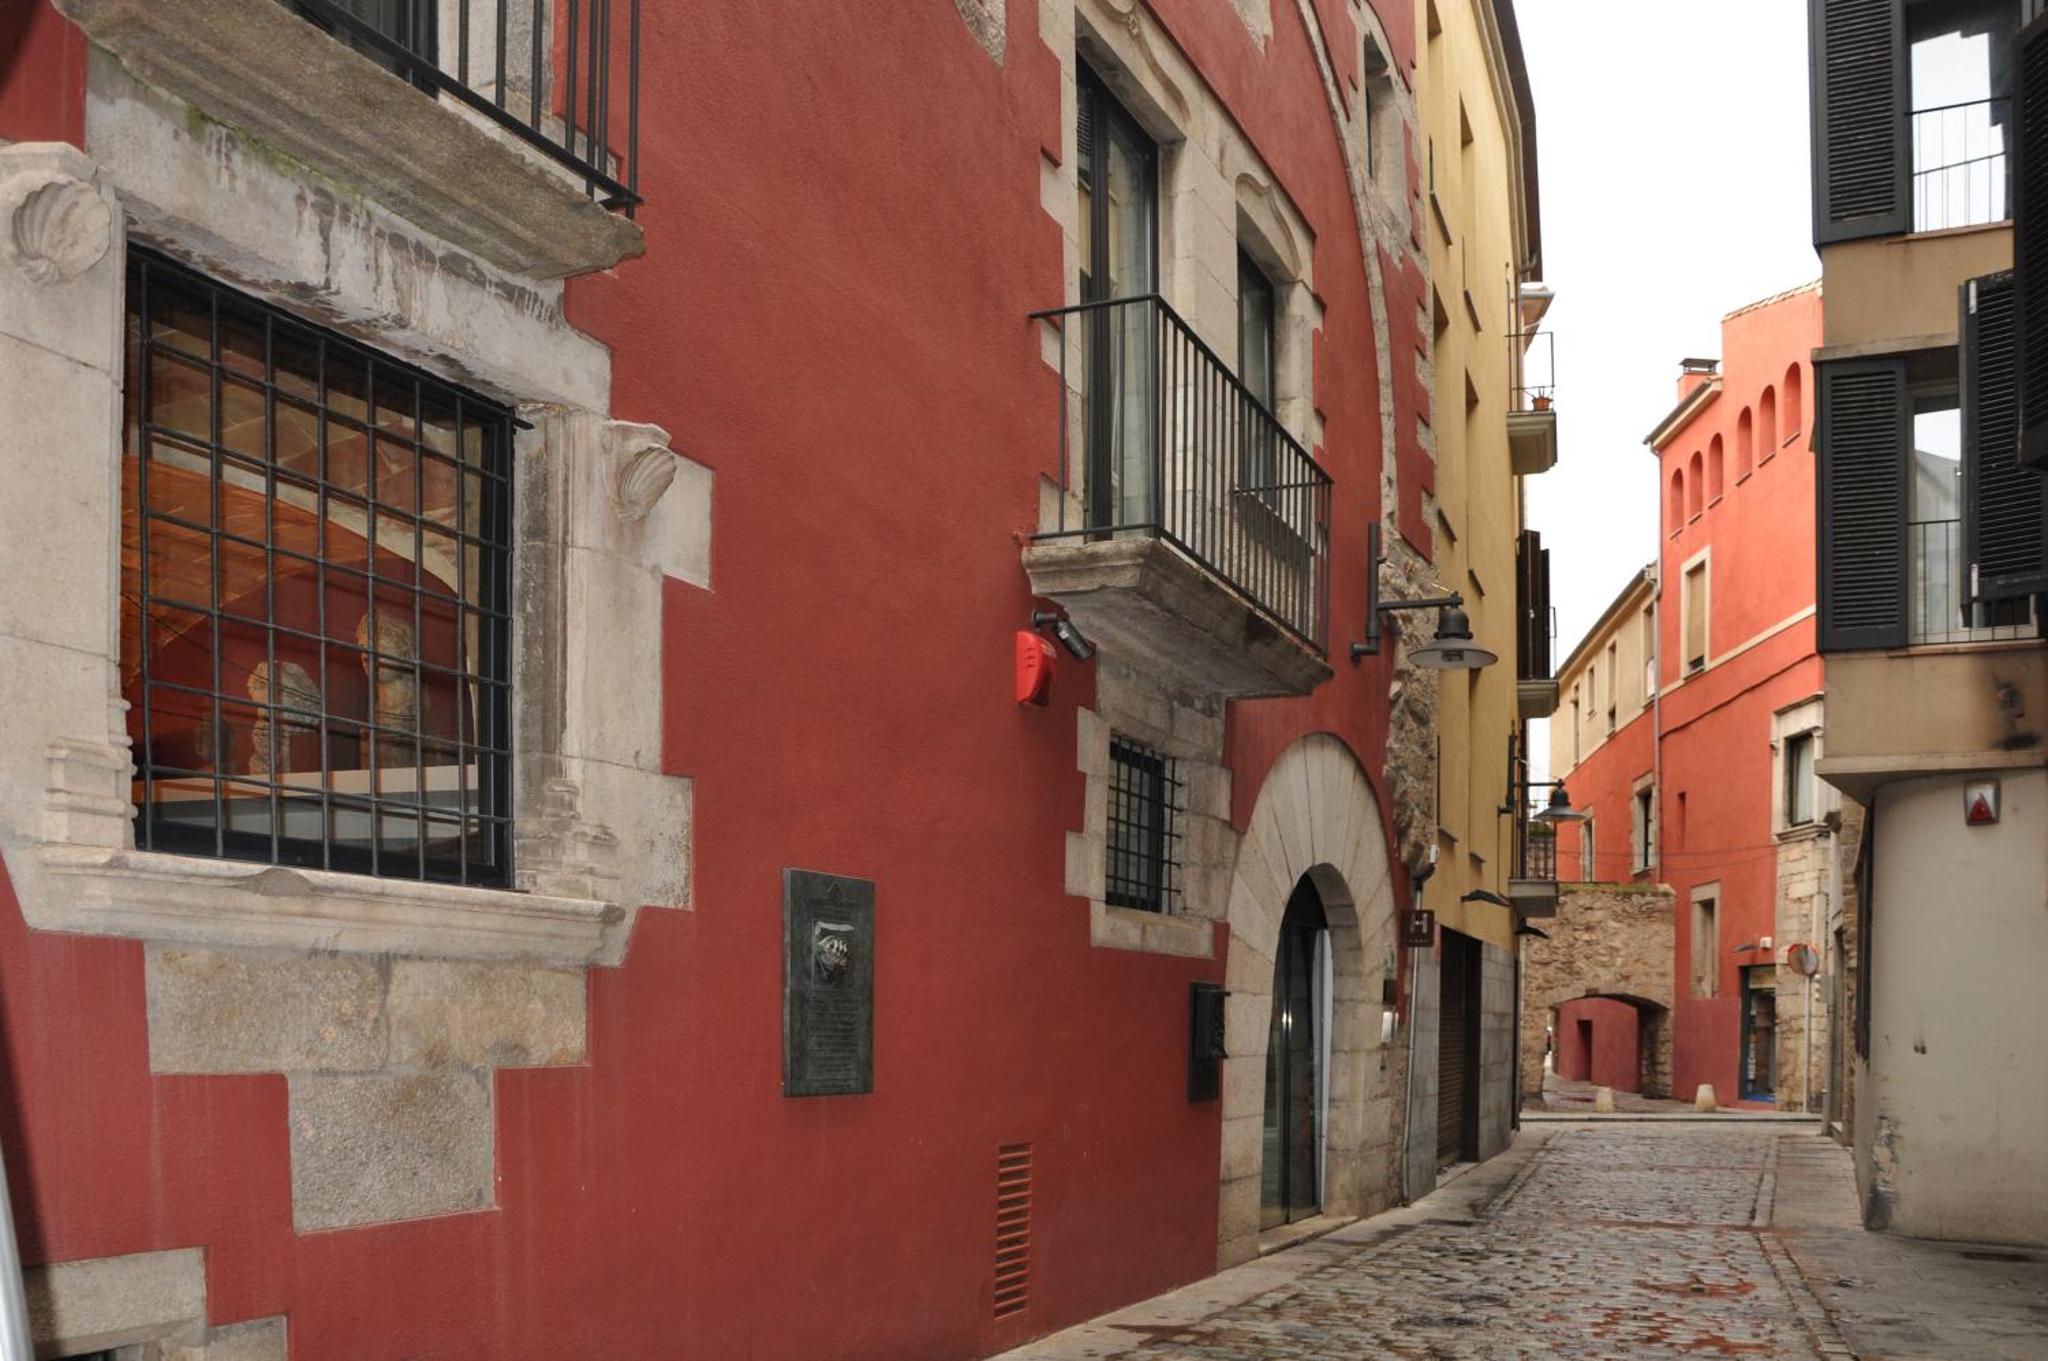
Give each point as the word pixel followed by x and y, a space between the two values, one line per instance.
pixel 1532 441
pixel 261 68
pixel 1146 602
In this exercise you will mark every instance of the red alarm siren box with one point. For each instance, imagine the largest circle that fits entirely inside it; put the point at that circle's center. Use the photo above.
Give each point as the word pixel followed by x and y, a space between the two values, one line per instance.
pixel 1034 668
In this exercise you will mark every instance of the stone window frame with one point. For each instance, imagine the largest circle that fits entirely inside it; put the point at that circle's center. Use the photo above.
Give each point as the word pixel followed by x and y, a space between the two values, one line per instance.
pixel 1704 899
pixel 1805 717
pixel 600 829
pixel 1189 731
pixel 1215 193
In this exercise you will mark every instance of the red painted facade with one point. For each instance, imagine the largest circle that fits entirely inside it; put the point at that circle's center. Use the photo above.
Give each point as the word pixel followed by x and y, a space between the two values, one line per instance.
pixel 1707 740
pixel 1599 1040
pixel 844 237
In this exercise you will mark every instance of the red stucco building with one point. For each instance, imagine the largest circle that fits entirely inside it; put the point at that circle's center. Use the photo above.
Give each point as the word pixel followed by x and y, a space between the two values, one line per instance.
pixel 1689 726
pixel 409 747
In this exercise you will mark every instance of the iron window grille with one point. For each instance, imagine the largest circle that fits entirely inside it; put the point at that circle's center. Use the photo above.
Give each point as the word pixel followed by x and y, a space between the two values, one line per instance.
pixel 1144 864
pixel 546 71
pixel 316 571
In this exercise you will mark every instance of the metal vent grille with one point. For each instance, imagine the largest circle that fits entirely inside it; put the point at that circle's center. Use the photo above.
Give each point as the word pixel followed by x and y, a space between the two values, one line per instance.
pixel 1013 1229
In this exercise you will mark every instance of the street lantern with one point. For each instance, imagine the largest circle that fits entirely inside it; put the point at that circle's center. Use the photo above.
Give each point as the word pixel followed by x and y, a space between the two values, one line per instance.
pixel 1451 650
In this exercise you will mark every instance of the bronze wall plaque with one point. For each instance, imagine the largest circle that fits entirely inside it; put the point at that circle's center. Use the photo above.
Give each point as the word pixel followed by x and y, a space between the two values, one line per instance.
pixel 828 984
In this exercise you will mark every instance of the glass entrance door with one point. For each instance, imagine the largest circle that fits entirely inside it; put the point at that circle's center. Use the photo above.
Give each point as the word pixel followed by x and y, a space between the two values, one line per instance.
pixel 1290 1176
pixel 1760 1033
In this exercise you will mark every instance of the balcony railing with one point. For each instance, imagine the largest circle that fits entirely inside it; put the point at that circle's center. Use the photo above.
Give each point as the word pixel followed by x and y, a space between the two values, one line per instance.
pixel 1539 852
pixel 546 71
pixel 1959 164
pixel 1941 607
pixel 1173 446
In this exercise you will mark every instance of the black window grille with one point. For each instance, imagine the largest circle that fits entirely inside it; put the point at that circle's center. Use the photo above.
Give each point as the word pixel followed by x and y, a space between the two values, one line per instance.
pixel 1144 828
pixel 316 573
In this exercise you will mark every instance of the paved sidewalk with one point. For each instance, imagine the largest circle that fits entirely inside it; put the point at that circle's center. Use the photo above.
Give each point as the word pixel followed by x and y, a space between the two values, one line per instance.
pixel 1614 1240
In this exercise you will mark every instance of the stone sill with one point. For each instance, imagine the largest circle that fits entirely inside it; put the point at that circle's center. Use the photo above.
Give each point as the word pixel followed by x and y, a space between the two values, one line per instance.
pixel 1153 607
pixel 258 66
pixel 1130 928
pixel 149 895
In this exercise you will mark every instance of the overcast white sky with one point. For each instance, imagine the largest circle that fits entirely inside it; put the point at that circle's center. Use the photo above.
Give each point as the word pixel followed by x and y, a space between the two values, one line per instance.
pixel 1672 149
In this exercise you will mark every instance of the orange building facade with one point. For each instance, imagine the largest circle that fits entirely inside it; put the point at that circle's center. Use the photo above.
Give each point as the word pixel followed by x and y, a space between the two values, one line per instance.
pixel 1691 719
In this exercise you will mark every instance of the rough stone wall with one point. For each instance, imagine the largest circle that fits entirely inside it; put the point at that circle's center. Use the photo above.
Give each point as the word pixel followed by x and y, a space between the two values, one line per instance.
pixel 1612 940
pixel 1845 965
pixel 1496 1049
pixel 145 1306
pixel 1802 894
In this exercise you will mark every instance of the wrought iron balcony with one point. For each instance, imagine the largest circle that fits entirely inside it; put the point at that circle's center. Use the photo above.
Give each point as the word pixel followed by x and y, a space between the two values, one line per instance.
pixel 493 57
pixel 1191 529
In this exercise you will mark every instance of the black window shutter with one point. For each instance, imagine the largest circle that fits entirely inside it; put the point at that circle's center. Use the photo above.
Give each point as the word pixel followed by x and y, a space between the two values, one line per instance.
pixel 1864 431
pixel 2002 501
pixel 1861 170
pixel 2030 239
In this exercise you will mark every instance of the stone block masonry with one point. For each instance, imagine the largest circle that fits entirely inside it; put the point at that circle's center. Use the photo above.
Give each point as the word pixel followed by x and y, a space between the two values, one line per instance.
pixel 389 1063
pixel 1607 940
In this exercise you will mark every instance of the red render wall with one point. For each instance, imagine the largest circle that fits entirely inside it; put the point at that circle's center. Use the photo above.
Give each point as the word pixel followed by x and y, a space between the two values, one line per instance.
pixel 1717 725
pixel 844 237
pixel 42 74
pixel 1615 1058
pixel 1604 784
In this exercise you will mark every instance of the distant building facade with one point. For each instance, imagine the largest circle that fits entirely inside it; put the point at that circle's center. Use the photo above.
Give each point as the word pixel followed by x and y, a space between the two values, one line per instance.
pixel 1692 719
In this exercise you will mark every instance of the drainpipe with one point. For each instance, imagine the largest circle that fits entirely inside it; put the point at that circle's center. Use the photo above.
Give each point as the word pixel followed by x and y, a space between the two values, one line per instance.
pixel 14 1334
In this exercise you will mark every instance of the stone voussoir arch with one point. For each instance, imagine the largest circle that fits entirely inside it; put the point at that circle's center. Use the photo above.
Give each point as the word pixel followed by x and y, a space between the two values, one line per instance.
pixel 1316 816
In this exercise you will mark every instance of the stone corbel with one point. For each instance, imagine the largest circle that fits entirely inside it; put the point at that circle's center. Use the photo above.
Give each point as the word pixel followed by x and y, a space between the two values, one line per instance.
pixel 56 222
pixel 561 852
pixel 86 802
pixel 642 467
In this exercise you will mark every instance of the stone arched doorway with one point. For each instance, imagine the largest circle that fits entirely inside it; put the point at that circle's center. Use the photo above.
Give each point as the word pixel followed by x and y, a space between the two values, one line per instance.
pixel 1316 820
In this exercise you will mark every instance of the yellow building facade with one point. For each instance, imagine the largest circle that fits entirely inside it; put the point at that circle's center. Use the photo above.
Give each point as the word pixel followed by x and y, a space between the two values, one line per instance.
pixel 1476 153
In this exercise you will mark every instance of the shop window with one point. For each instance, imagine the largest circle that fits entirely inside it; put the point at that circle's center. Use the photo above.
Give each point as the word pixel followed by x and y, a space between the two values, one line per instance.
pixel 315 568
pixel 1143 869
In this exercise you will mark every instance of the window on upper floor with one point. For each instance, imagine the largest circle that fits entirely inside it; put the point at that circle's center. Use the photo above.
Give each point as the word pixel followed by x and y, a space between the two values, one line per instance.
pixel 1695 605
pixel 1257 329
pixel 1798 768
pixel 1677 499
pixel 1613 684
pixel 1913 114
pixel 1959 70
pixel 315 620
pixel 1643 828
pixel 1588 863
pixel 1143 862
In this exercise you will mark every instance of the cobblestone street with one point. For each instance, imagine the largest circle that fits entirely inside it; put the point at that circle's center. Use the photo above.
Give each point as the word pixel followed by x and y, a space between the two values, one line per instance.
pixel 1622 1240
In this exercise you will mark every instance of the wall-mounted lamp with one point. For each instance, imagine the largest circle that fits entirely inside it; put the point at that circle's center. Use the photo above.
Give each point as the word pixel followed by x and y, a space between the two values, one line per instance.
pixel 1451 650
pixel 1063 631
pixel 1559 809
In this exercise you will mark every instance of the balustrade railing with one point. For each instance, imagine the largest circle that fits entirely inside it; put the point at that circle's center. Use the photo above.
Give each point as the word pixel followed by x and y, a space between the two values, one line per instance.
pixel 1941 609
pixel 1960 164
pixel 563 76
pixel 1160 438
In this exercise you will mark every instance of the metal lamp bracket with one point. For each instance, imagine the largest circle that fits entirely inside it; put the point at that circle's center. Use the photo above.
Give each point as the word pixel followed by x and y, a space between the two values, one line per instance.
pixel 1374 606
